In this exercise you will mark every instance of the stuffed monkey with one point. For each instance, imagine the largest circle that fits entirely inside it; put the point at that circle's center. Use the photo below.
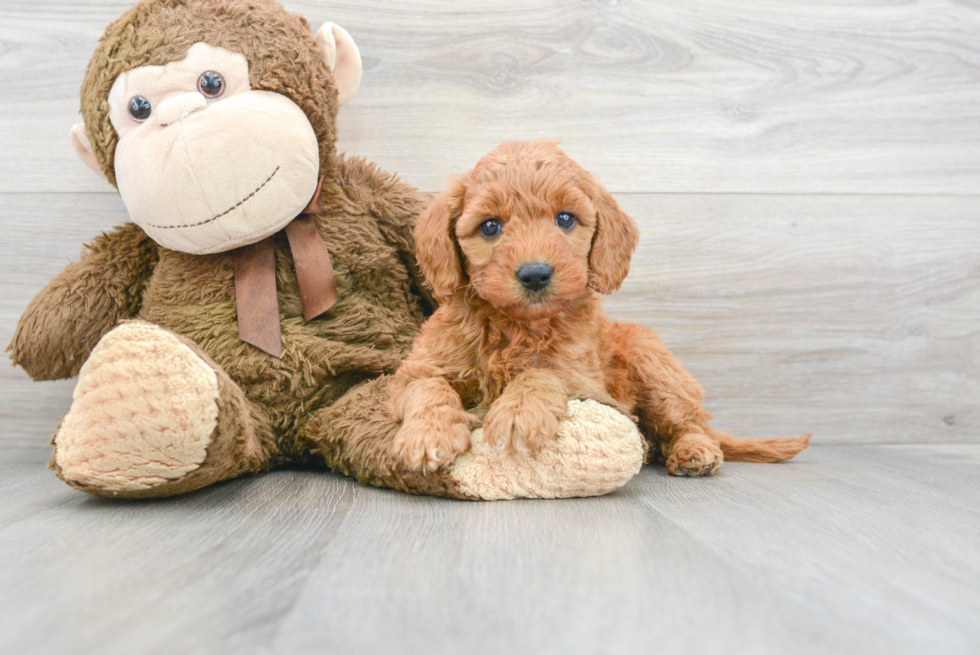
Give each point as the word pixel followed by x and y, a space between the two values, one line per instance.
pixel 248 315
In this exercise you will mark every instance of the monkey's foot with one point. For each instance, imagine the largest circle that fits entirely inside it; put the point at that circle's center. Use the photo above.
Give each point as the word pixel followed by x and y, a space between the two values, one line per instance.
pixel 144 412
pixel 598 450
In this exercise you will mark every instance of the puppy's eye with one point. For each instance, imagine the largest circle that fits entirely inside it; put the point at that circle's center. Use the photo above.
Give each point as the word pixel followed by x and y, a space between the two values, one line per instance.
pixel 211 84
pixel 564 220
pixel 139 108
pixel 490 228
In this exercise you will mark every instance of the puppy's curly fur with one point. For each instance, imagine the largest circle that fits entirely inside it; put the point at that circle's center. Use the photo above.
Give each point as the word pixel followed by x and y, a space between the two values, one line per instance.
pixel 520 329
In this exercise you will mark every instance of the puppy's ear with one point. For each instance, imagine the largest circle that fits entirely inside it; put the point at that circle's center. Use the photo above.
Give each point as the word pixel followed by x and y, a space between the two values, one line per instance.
pixel 435 241
pixel 612 244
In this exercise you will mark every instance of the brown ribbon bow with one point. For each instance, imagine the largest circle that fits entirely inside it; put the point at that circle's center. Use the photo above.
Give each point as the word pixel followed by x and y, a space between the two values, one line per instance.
pixel 255 280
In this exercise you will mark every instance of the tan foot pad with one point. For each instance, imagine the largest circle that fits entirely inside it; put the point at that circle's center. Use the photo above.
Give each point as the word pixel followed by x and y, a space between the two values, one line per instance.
pixel 598 450
pixel 143 412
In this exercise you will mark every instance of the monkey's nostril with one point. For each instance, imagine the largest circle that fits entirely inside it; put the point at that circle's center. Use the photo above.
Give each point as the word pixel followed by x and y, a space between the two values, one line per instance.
pixel 534 276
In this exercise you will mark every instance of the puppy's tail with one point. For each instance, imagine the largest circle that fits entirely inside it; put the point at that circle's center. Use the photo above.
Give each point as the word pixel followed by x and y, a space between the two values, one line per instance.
pixel 759 450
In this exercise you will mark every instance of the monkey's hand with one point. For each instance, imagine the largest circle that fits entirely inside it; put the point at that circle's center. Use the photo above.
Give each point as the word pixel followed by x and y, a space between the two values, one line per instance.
pixel 64 322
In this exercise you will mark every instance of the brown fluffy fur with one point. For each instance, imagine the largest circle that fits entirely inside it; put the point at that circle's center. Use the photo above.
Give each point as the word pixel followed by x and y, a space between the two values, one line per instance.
pixel 318 402
pixel 514 357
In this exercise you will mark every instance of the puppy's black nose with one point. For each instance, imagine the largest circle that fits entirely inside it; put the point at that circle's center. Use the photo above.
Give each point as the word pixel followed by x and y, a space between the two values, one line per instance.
pixel 534 276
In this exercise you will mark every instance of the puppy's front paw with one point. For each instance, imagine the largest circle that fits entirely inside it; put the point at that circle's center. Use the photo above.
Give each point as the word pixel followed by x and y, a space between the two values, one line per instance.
pixel 522 424
pixel 426 444
pixel 695 456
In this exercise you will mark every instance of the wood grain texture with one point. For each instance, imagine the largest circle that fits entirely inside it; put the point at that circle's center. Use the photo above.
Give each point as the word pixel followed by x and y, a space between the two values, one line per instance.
pixel 848 549
pixel 704 96
pixel 853 317
pixel 802 174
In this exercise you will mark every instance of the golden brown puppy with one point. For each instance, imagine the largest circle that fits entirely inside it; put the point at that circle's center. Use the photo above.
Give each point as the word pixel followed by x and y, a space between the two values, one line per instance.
pixel 515 251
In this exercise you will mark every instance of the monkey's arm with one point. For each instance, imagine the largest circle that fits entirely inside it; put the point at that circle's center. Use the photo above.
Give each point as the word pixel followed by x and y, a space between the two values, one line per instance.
pixel 65 321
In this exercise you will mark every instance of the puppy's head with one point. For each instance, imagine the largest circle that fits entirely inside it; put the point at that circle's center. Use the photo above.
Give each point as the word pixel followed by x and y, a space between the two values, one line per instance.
pixel 528 230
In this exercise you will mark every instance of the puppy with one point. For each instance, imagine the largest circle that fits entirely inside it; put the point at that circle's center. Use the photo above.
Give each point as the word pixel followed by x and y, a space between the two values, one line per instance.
pixel 517 252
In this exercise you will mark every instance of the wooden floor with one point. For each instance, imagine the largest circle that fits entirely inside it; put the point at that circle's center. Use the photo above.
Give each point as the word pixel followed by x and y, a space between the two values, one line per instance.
pixel 807 181
pixel 850 549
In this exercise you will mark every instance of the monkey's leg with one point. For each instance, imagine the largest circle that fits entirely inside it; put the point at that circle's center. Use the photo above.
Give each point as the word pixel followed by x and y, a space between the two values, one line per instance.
pixel 356 436
pixel 152 415
pixel 597 450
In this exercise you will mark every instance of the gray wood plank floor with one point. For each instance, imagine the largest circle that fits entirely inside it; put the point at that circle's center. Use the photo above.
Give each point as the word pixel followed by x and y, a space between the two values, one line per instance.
pixel 807 181
pixel 849 549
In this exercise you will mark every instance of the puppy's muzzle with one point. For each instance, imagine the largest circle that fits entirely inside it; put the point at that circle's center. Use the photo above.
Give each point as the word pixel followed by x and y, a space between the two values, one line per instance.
pixel 535 276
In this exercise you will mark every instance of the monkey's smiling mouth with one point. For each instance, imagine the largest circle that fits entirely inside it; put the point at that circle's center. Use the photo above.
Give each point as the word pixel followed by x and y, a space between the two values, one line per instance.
pixel 225 212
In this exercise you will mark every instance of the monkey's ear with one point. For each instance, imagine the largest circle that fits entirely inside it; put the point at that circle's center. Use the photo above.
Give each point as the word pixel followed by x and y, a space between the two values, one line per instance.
pixel 342 57
pixel 613 243
pixel 80 142
pixel 435 242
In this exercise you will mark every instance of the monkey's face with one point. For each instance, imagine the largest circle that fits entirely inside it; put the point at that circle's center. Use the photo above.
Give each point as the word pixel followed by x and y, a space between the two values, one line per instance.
pixel 204 163
pixel 214 120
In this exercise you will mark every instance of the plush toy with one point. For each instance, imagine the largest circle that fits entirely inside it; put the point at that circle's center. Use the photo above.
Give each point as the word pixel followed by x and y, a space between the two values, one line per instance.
pixel 249 314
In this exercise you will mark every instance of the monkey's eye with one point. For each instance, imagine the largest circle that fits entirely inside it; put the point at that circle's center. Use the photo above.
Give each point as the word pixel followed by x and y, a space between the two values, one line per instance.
pixel 211 84
pixel 140 108
pixel 564 220
pixel 490 228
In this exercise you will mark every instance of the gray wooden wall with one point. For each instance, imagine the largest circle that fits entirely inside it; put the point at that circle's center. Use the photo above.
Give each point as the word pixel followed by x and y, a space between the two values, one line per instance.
pixel 806 176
